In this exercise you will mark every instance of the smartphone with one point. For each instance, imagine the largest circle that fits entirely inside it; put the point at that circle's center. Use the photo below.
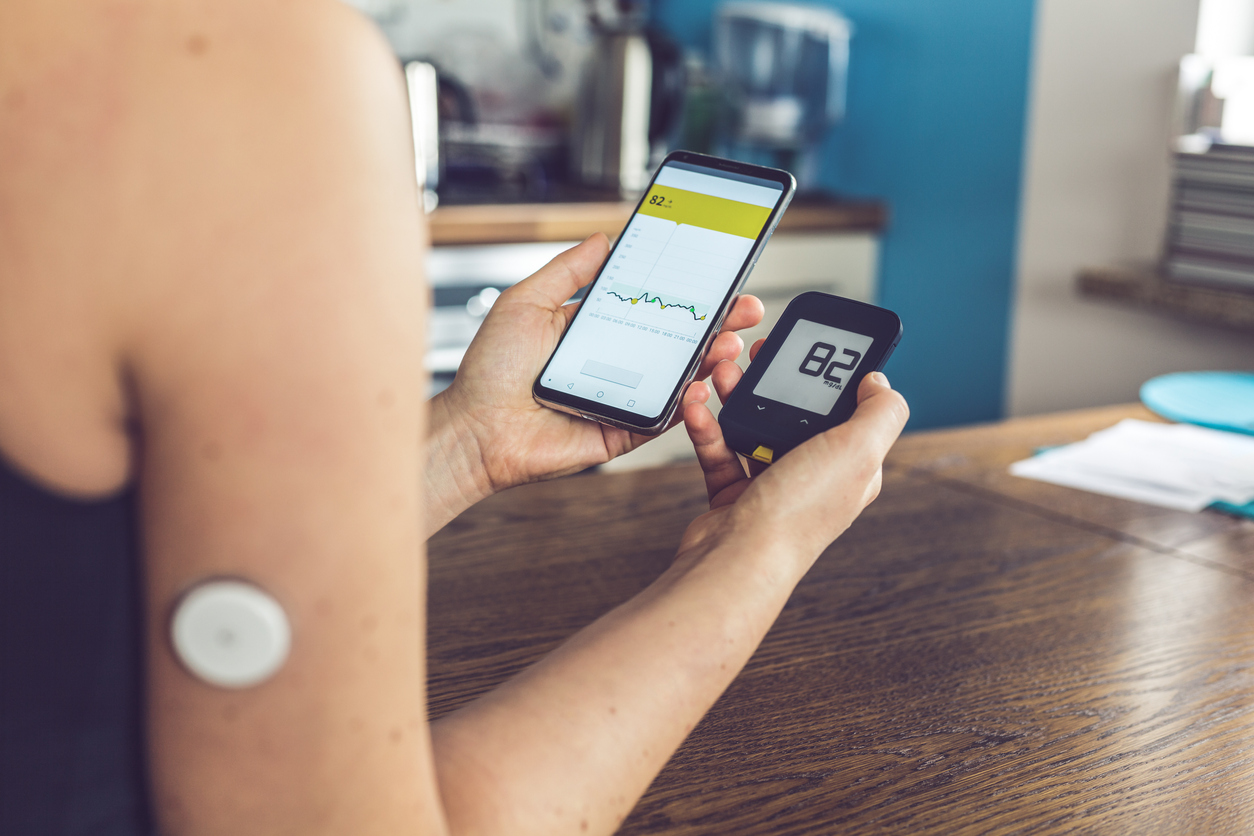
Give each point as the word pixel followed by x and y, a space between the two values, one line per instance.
pixel 660 297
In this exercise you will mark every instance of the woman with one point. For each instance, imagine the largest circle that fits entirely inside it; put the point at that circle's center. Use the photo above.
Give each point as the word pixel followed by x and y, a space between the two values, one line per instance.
pixel 211 335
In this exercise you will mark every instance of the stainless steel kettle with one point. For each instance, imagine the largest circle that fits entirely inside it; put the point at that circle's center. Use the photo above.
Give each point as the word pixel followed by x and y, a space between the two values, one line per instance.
pixel 611 137
pixel 610 140
pixel 630 98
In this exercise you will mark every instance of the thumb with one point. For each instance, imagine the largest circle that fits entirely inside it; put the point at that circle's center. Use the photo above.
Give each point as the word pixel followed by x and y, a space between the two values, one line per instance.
pixel 569 272
pixel 880 417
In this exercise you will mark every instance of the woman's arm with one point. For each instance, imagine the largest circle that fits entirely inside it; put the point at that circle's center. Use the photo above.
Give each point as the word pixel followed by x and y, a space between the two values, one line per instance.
pixel 272 314
pixel 571 744
pixel 270 329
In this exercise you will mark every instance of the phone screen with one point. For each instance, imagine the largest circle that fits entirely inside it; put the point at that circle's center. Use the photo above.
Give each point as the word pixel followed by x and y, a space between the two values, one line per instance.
pixel 662 288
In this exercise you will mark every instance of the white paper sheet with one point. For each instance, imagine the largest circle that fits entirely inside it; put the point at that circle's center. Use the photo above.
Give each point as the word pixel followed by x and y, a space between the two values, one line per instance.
pixel 1173 465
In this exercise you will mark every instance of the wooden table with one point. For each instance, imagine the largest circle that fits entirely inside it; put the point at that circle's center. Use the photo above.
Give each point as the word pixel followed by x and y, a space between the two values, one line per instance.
pixel 977 654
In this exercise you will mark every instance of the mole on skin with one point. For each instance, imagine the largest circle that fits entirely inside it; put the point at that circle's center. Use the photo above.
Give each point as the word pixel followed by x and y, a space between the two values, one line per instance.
pixel 197 44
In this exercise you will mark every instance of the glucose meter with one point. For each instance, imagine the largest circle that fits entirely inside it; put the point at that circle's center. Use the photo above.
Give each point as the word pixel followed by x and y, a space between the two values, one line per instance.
pixel 805 377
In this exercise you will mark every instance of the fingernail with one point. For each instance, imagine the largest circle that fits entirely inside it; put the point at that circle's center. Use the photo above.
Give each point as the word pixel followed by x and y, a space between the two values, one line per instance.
pixel 881 380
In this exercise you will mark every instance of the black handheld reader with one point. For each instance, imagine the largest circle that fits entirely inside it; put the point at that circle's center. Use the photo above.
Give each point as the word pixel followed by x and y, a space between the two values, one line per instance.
pixel 805 377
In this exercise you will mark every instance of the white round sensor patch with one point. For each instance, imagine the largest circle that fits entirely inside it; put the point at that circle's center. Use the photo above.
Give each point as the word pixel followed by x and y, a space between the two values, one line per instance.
pixel 230 634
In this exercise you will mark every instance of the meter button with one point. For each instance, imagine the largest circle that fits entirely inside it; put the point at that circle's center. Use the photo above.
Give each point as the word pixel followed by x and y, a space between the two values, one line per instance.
pixel 763 454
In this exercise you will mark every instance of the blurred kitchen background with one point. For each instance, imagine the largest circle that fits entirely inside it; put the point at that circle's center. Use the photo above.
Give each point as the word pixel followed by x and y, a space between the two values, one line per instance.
pixel 1057 196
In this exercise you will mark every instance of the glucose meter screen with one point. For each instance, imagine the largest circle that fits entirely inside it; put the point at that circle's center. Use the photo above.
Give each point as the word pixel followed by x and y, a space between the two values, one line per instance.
pixel 813 366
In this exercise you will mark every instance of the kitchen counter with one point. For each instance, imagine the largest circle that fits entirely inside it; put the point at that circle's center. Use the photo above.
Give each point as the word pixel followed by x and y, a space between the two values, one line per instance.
pixel 1145 287
pixel 529 222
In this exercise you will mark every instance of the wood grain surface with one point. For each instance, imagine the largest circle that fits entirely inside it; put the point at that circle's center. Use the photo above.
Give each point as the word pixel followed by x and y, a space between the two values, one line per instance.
pixel 973 656
pixel 977 458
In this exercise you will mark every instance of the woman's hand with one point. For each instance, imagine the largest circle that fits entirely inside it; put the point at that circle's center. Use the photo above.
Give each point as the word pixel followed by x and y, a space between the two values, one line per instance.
pixel 573 741
pixel 810 496
pixel 488 432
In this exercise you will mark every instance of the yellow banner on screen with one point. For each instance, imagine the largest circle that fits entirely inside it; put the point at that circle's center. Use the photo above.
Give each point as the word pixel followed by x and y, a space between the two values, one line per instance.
pixel 707 211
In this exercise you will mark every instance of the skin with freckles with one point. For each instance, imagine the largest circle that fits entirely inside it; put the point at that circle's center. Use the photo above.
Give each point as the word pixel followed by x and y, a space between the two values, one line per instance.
pixel 211 258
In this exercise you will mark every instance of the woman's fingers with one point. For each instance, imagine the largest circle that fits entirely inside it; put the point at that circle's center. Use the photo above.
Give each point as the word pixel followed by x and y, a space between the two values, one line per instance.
pixel 725 377
pixel 697 392
pixel 880 417
pixel 720 464
pixel 878 403
pixel 746 313
pixel 566 274
pixel 726 346
pixel 871 384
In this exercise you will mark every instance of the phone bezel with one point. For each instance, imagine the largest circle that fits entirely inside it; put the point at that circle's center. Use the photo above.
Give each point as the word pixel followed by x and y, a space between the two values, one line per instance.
pixel 778 425
pixel 651 425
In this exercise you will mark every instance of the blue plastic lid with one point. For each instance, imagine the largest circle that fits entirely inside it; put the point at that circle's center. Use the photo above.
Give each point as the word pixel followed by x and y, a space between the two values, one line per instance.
pixel 1222 400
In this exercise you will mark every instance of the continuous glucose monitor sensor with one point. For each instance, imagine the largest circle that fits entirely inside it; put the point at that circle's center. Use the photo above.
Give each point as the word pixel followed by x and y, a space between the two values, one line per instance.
pixel 230 634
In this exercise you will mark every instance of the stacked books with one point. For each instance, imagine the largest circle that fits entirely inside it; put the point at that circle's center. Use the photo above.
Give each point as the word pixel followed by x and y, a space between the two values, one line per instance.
pixel 1210 233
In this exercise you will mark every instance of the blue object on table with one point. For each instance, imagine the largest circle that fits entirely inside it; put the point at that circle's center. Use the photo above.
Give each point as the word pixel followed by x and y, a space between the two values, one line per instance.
pixel 1246 510
pixel 1221 400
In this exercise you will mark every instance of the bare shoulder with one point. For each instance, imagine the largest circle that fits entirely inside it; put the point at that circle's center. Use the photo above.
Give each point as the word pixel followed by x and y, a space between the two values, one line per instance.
pixel 267 66
pixel 270 322
pixel 160 155
pixel 276 138
pixel 283 101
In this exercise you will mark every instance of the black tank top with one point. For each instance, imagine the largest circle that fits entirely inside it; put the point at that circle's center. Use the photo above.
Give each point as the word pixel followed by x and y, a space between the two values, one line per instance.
pixel 71 744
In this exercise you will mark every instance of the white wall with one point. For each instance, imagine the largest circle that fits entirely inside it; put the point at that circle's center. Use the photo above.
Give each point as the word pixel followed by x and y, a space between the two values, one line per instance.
pixel 1095 193
pixel 1225 28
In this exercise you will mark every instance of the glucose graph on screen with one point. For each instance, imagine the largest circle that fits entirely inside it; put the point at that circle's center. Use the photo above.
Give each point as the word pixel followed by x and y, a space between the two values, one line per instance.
pixel 636 296
pixel 670 275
